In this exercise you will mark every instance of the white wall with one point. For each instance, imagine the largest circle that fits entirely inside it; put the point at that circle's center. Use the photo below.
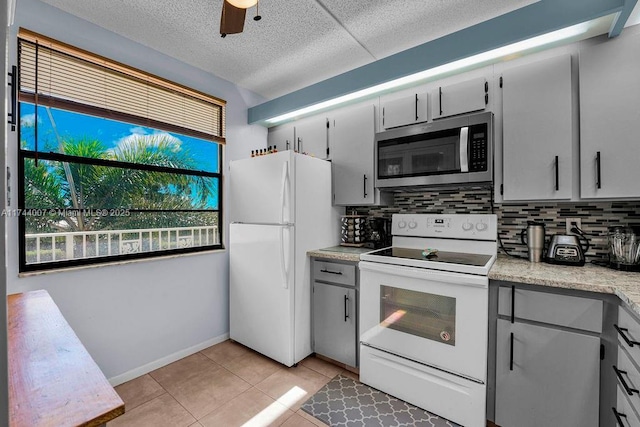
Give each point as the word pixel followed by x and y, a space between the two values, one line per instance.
pixel 138 316
pixel 4 394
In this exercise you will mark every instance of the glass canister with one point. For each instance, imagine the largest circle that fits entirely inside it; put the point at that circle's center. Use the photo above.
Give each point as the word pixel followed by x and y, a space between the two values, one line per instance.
pixel 624 247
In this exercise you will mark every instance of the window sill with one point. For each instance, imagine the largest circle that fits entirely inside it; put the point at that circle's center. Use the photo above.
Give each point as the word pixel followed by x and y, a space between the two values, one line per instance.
pixel 116 263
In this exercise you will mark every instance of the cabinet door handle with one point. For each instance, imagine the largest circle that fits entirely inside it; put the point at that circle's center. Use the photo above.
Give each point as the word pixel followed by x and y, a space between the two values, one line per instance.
pixel 628 389
pixel 365 186
pixel 619 416
pixel 557 174
pixel 346 303
pixel 624 336
pixel 331 272
pixel 382 116
pixel 511 352
pixel 513 304
pixel 440 98
pixel 598 176
pixel 299 145
pixel 416 107
pixel 287 144
pixel 486 93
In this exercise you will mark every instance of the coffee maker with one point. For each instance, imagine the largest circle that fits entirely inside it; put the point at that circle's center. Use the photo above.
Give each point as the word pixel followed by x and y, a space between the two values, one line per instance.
pixel 379 235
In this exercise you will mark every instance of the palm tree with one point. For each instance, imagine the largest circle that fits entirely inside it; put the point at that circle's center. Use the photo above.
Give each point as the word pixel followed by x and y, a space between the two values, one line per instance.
pixel 83 187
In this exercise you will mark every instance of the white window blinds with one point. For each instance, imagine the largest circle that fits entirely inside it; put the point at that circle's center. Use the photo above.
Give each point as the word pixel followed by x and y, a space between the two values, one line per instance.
pixel 62 76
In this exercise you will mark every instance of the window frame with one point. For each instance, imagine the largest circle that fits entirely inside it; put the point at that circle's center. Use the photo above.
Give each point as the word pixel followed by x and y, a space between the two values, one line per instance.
pixel 25 155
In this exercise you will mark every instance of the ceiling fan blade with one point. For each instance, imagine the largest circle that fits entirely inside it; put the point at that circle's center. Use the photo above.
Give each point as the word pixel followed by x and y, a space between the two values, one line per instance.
pixel 232 20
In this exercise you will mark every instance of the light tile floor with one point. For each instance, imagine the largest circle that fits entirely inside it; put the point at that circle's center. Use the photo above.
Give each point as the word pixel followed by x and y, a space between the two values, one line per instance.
pixel 225 385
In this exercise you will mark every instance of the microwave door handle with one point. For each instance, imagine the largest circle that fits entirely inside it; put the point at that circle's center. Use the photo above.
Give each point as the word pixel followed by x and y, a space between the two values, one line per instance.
pixel 464 149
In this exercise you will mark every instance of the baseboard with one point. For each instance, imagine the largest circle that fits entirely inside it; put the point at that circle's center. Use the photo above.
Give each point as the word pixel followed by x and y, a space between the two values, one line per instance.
pixel 145 369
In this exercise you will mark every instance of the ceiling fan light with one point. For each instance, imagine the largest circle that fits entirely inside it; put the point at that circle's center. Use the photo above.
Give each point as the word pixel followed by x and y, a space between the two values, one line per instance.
pixel 243 4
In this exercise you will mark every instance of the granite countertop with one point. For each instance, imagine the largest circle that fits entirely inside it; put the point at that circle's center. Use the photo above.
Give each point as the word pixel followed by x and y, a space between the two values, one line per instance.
pixel 590 277
pixel 342 253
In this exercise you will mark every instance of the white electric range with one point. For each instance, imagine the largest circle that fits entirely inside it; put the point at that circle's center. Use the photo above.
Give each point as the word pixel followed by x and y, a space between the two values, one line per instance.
pixel 424 313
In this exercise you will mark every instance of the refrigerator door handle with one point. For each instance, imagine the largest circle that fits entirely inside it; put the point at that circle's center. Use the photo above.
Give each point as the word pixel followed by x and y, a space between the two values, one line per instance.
pixel 285 180
pixel 283 267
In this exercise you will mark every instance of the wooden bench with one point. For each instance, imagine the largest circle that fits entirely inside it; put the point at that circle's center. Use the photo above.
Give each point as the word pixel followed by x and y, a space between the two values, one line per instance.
pixel 53 381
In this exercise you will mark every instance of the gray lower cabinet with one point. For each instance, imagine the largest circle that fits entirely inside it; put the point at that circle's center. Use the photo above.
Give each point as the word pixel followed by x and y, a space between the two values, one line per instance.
pixel 546 376
pixel 334 322
pixel 548 349
pixel 335 310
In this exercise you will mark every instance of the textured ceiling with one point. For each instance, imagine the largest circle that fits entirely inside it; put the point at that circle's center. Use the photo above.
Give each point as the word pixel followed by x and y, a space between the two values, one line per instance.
pixel 297 43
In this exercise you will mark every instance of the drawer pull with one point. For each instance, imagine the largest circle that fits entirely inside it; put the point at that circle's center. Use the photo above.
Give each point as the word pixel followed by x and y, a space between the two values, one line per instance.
pixel 628 389
pixel 619 416
pixel 330 272
pixel 624 336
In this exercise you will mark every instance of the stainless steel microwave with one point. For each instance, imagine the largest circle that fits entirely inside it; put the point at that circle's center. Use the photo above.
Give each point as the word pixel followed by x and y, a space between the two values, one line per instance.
pixel 452 151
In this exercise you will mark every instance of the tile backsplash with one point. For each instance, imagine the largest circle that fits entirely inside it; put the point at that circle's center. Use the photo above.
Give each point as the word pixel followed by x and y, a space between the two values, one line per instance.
pixel 595 216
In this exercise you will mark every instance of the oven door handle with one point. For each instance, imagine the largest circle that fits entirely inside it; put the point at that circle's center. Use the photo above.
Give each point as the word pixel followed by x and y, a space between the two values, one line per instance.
pixel 464 149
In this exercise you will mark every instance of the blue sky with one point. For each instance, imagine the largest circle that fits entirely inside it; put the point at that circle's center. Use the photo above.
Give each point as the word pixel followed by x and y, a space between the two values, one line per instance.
pixel 110 132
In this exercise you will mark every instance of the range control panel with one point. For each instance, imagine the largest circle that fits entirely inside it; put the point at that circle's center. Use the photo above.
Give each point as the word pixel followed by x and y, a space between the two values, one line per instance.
pixel 455 226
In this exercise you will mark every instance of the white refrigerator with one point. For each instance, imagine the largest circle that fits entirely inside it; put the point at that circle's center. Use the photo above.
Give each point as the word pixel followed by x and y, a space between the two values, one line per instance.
pixel 279 208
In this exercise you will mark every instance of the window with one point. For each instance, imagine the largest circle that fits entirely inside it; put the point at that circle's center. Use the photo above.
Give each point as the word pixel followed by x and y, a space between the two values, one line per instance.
pixel 114 164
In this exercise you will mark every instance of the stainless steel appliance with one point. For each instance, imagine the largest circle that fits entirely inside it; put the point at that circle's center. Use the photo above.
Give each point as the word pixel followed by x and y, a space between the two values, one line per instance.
pixel 566 249
pixel 533 237
pixel 424 313
pixel 451 151
pixel 624 247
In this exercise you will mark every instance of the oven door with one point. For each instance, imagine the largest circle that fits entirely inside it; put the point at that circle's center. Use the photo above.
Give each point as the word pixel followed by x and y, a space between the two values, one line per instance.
pixel 432 317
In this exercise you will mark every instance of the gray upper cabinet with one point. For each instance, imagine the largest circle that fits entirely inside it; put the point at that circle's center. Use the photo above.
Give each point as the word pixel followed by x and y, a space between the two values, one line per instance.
pixel 465 97
pixel 537 130
pixel 352 134
pixel 609 117
pixel 406 110
pixel 281 137
pixel 311 136
pixel 308 135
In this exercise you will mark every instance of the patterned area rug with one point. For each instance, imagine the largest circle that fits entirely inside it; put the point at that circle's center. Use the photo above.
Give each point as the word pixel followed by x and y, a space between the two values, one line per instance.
pixel 346 402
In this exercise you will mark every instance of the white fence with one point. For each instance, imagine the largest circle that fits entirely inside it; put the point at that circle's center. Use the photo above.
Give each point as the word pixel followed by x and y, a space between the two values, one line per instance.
pixel 49 247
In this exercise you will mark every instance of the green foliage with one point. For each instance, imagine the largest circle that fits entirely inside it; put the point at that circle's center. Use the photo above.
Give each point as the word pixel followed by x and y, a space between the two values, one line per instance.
pixel 45 255
pixel 84 187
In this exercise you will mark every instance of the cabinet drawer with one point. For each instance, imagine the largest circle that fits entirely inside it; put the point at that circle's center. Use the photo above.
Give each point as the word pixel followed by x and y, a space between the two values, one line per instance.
pixel 561 310
pixel 628 378
pixel 626 415
pixel 334 272
pixel 629 327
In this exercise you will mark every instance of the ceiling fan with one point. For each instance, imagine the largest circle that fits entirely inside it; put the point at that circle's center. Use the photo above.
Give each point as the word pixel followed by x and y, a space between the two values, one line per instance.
pixel 233 14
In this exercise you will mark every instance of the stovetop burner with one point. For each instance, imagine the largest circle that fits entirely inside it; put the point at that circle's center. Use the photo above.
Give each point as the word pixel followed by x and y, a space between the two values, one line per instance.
pixel 478 260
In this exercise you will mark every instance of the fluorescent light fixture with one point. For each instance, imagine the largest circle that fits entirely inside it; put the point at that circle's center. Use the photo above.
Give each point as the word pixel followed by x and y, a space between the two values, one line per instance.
pixel 480 58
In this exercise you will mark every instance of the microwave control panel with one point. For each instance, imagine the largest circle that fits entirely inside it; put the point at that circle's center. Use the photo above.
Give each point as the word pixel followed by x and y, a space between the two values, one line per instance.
pixel 478 156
